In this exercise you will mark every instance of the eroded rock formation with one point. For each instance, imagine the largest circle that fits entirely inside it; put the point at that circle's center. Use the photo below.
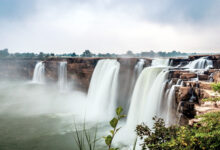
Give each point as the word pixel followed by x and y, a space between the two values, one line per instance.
pixel 194 88
pixel 79 69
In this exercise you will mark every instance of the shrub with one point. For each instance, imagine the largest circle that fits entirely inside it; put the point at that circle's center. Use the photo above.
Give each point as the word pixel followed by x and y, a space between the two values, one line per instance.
pixel 211 99
pixel 201 136
pixel 216 87
pixel 157 137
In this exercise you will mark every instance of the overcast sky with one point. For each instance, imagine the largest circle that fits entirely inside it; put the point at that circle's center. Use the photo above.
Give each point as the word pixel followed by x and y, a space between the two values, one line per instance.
pixel 114 26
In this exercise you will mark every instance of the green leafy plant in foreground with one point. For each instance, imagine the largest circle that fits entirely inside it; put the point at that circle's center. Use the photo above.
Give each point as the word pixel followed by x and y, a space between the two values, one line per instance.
pixel 156 137
pixel 114 123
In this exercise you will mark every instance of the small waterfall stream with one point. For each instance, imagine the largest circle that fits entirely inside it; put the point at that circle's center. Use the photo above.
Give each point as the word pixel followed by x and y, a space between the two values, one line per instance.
pixel 103 89
pixel 139 67
pixel 201 63
pixel 62 76
pixel 169 109
pixel 39 73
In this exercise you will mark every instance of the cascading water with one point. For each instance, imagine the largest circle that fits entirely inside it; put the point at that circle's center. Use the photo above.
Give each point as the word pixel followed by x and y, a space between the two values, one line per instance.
pixel 62 76
pixel 201 63
pixel 169 114
pixel 139 67
pixel 147 96
pixel 103 89
pixel 137 70
pixel 39 73
pixel 160 62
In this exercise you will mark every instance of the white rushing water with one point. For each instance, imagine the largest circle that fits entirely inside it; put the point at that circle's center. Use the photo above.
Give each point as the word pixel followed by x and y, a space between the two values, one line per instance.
pixel 201 63
pixel 136 72
pixel 103 89
pixel 146 96
pixel 139 67
pixel 62 76
pixel 39 73
pixel 146 99
pixel 169 107
pixel 160 62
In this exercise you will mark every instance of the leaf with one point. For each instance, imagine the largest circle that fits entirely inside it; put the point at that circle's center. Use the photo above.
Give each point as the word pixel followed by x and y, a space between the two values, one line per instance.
pixel 114 122
pixel 122 116
pixel 119 110
pixel 118 129
pixel 112 132
pixel 108 140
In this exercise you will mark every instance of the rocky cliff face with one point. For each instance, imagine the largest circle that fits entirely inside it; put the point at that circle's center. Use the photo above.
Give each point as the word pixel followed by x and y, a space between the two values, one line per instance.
pixel 79 69
pixel 17 68
pixel 184 61
pixel 194 87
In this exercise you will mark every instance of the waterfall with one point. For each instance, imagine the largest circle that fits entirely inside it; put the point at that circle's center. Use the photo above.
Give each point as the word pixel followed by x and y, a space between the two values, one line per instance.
pixel 160 62
pixel 169 108
pixel 146 97
pixel 147 94
pixel 39 73
pixel 137 70
pixel 201 63
pixel 62 76
pixel 139 67
pixel 179 82
pixel 103 88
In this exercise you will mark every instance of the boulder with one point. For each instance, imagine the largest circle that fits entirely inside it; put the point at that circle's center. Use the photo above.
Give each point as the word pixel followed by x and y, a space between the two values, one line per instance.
pixel 216 76
pixel 177 73
pixel 203 77
pixel 183 94
pixel 216 64
pixel 188 76
pixel 205 85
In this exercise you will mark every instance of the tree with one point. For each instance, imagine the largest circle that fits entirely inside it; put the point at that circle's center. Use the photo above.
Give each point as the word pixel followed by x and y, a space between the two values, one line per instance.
pixel 4 53
pixel 41 55
pixel 203 135
pixel 129 53
pixel 73 54
pixel 87 53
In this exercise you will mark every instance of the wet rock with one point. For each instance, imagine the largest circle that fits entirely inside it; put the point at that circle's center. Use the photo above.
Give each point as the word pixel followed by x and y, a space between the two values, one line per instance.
pixel 188 76
pixel 205 85
pixel 203 77
pixel 183 120
pixel 177 73
pixel 183 94
pixel 216 76
pixel 179 61
pixel 216 64
pixel 189 110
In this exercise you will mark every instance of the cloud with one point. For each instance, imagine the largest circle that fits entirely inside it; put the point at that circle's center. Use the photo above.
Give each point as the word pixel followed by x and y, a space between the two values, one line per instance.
pixel 110 26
